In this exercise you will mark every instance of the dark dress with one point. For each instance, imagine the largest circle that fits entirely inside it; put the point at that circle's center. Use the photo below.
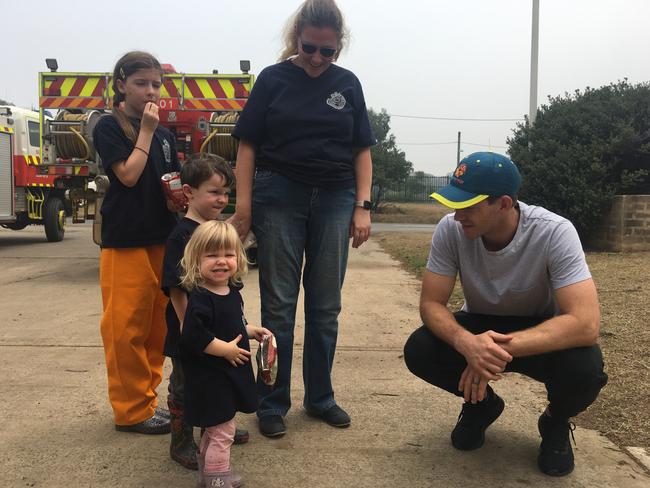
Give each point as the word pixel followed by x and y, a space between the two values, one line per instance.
pixel 214 389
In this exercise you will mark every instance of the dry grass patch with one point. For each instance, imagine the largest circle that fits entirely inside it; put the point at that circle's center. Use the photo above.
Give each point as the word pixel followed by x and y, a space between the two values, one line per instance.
pixel 621 411
pixel 410 213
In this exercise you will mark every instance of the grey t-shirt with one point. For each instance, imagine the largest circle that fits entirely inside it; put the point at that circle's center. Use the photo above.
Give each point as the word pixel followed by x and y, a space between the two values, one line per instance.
pixel 544 255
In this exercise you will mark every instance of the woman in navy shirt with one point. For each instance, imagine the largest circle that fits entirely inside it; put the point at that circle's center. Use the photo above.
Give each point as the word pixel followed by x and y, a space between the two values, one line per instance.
pixel 304 174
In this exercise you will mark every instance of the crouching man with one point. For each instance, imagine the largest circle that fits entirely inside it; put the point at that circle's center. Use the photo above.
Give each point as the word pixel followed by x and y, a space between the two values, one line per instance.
pixel 530 307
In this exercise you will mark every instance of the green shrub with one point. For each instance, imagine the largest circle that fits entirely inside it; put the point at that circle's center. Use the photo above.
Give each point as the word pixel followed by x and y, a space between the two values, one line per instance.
pixel 583 149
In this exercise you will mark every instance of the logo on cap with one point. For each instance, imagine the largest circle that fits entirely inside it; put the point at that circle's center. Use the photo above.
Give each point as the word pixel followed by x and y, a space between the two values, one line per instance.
pixel 460 171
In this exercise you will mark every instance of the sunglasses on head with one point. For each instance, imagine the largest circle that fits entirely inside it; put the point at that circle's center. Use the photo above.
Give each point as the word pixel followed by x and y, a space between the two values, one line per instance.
pixel 326 52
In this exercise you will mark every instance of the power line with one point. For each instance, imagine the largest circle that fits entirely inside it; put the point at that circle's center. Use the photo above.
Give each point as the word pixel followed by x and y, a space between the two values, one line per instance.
pixel 455 118
pixel 450 142
pixel 483 145
pixel 423 143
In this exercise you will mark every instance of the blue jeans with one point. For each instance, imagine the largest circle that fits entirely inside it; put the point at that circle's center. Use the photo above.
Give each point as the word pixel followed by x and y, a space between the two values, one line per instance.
pixel 292 220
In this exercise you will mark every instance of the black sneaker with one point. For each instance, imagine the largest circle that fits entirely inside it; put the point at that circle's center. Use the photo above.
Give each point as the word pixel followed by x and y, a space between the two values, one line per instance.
pixel 555 453
pixel 272 426
pixel 163 413
pixel 474 418
pixel 152 426
pixel 334 416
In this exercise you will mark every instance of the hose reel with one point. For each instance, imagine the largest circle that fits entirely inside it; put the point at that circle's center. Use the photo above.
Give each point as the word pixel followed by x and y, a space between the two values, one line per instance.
pixel 220 142
pixel 72 134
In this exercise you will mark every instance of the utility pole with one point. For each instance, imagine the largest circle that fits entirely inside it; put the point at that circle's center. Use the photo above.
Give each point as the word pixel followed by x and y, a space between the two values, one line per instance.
pixel 534 49
pixel 458 150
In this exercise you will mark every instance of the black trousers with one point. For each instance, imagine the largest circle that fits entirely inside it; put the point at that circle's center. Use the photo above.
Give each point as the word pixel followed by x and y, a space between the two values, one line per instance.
pixel 573 377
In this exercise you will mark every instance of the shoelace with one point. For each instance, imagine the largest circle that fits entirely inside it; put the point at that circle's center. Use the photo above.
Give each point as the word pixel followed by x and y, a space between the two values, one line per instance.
pixel 556 435
pixel 462 411
pixel 572 427
pixel 467 410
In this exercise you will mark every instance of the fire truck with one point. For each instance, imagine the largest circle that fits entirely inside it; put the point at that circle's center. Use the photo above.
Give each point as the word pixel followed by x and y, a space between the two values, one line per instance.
pixel 26 195
pixel 200 110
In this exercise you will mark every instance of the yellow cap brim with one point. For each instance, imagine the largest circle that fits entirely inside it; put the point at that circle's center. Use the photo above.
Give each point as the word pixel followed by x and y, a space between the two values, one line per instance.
pixel 458 205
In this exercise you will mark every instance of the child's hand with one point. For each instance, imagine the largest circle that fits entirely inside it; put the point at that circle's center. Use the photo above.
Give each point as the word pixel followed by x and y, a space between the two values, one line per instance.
pixel 174 207
pixel 235 354
pixel 150 117
pixel 256 332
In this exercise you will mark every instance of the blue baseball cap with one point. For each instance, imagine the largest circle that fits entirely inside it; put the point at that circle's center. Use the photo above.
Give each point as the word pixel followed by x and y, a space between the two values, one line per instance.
pixel 477 177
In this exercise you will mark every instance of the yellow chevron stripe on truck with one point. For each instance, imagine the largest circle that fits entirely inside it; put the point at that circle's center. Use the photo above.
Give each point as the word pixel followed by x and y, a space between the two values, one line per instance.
pixel 94 90
pixel 32 160
pixel 89 87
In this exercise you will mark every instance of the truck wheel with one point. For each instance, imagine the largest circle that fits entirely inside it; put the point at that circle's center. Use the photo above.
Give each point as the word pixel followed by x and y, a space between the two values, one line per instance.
pixel 54 219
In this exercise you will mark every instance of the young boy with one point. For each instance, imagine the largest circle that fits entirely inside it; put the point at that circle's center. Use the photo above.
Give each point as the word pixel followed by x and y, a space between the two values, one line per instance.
pixel 207 181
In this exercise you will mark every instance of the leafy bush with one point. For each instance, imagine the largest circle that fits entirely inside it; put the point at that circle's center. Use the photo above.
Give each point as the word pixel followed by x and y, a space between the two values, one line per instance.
pixel 389 164
pixel 583 149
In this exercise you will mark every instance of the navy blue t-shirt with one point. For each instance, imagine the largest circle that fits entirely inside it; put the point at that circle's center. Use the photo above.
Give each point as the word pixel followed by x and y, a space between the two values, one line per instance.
pixel 171 278
pixel 136 216
pixel 308 129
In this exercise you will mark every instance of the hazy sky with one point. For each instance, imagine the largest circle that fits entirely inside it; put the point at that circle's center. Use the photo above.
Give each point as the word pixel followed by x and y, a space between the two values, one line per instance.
pixel 426 58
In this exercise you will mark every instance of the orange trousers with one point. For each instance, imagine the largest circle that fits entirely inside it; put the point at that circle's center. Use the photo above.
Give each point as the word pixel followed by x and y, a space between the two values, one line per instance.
pixel 133 329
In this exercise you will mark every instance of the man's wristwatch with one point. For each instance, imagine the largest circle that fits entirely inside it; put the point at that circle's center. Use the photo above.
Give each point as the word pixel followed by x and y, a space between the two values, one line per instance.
pixel 364 204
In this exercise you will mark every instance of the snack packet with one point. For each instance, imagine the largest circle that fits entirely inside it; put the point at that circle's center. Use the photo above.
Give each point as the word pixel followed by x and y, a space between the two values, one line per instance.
pixel 171 183
pixel 267 360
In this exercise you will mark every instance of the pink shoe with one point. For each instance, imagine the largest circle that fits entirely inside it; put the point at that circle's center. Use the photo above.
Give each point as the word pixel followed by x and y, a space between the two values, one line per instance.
pixel 227 479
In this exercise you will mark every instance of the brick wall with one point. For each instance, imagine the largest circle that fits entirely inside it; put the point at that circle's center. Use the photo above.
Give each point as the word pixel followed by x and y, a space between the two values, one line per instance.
pixel 626 227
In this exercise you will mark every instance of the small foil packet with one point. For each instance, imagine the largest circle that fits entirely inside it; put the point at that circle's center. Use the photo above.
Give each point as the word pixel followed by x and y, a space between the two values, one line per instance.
pixel 267 360
pixel 173 188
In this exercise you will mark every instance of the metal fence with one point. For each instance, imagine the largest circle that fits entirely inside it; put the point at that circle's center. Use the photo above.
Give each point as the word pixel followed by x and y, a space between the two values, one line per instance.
pixel 416 188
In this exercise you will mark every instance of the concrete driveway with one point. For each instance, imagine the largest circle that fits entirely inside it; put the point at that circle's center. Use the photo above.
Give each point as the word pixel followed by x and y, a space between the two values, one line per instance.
pixel 57 430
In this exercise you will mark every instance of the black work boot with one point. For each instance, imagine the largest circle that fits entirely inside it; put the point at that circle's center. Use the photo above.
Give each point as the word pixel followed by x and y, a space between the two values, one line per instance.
pixel 555 453
pixel 182 448
pixel 241 436
pixel 474 419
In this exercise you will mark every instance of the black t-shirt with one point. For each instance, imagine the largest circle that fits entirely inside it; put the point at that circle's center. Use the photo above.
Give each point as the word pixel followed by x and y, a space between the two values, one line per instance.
pixel 171 278
pixel 214 389
pixel 137 216
pixel 307 129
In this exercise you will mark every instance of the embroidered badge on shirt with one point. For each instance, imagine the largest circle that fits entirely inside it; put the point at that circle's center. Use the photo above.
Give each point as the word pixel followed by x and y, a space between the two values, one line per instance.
pixel 167 151
pixel 336 100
